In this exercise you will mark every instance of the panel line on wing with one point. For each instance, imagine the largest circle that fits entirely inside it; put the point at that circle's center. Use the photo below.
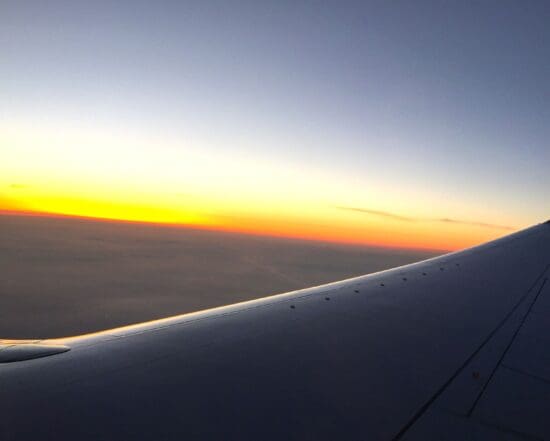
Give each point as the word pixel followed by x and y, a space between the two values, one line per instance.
pixel 438 393
pixel 507 347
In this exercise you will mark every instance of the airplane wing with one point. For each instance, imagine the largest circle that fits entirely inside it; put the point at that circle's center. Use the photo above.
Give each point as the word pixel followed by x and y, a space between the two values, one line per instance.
pixel 452 348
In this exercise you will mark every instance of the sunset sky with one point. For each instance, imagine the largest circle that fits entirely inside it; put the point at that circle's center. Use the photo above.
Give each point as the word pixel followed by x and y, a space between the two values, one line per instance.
pixel 403 124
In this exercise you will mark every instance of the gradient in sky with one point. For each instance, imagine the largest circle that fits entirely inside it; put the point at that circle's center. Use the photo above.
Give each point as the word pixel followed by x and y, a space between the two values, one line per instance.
pixel 415 124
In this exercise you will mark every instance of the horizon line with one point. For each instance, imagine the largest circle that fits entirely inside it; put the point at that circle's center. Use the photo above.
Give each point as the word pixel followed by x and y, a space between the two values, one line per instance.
pixel 201 227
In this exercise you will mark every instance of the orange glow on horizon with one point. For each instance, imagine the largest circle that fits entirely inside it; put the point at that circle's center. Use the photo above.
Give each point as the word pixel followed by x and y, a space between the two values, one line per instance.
pixel 80 172
pixel 287 229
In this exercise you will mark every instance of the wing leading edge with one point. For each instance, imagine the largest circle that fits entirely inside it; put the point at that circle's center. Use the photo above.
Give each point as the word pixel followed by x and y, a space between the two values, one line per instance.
pixel 454 347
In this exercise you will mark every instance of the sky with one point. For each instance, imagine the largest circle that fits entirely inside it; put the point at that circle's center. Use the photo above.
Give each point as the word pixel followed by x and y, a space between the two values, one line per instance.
pixel 403 124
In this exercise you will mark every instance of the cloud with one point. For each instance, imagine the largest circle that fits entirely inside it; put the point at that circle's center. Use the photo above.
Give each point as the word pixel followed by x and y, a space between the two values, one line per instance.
pixel 379 213
pixel 474 224
pixel 445 220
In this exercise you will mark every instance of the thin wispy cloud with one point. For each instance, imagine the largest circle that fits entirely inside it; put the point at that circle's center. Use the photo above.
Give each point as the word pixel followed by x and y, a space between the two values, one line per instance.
pixel 475 224
pixel 446 220
pixel 379 213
